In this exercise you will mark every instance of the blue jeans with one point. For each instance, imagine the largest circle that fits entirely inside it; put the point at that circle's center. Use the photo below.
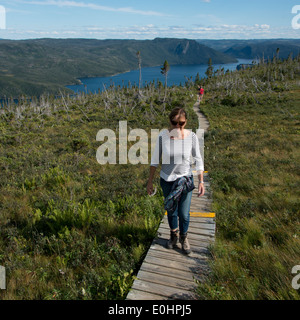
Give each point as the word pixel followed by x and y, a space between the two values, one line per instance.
pixel 183 209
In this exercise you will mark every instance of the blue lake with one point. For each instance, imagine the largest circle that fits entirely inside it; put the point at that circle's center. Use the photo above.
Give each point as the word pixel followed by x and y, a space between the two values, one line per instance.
pixel 177 75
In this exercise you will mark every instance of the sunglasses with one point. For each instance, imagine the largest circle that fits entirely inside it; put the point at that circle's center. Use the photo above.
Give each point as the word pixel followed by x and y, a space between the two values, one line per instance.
pixel 181 123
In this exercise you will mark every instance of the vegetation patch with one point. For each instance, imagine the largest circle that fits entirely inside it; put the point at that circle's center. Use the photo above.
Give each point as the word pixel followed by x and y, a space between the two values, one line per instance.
pixel 70 227
pixel 252 155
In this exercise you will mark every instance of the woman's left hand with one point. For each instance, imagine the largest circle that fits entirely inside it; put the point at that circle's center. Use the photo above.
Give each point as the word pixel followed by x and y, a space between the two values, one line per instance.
pixel 201 189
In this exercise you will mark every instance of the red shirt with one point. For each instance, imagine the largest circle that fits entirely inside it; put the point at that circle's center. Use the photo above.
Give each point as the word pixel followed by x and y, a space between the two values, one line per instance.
pixel 201 91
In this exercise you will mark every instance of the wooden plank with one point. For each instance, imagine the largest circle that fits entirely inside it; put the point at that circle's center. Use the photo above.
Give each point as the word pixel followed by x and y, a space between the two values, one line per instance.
pixel 201 212
pixel 192 229
pixel 201 199
pixel 142 295
pixel 180 274
pixel 161 243
pixel 158 289
pixel 205 197
pixel 201 207
pixel 176 265
pixel 201 204
pixel 206 185
pixel 191 236
pixel 196 231
pixel 204 226
pixel 171 256
pixel 196 254
pixel 203 219
pixel 165 233
pixel 166 281
pixel 193 233
pixel 203 232
pixel 195 244
pixel 207 194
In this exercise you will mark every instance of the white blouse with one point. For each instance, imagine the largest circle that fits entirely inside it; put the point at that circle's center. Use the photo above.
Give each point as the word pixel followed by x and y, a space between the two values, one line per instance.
pixel 177 155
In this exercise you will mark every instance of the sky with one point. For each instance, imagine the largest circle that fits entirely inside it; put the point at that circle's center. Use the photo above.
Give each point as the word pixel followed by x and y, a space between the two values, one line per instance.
pixel 140 19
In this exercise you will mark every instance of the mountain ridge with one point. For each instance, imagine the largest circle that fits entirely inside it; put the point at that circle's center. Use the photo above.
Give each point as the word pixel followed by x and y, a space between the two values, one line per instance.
pixel 37 66
pixel 254 48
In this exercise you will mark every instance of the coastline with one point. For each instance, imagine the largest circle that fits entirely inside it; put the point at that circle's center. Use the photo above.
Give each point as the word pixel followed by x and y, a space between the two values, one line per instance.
pixel 94 84
pixel 95 77
pixel 109 76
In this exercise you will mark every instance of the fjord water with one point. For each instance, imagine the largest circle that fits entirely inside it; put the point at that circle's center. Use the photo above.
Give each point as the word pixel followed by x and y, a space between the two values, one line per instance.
pixel 177 75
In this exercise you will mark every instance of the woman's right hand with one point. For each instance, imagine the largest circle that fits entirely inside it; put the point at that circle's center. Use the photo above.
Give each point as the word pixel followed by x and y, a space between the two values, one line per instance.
pixel 150 188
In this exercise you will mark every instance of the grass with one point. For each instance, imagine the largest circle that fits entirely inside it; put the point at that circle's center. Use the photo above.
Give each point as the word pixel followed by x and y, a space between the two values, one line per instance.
pixel 252 154
pixel 70 227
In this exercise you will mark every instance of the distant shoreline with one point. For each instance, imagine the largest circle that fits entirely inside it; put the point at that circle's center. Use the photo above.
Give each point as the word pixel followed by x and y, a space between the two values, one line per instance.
pixel 130 70
pixel 94 84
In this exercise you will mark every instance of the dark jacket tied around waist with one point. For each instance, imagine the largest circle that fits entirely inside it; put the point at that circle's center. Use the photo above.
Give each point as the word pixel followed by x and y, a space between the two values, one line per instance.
pixel 181 185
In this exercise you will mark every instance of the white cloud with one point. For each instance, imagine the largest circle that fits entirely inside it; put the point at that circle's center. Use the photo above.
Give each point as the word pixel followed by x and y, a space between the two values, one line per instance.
pixel 93 6
pixel 265 26
pixel 152 31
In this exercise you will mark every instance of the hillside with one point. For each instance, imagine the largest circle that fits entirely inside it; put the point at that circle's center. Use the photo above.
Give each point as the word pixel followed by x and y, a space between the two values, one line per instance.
pixel 253 161
pixel 72 229
pixel 33 67
pixel 77 229
pixel 256 48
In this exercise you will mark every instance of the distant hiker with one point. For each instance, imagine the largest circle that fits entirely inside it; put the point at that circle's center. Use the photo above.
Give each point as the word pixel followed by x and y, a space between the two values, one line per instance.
pixel 175 147
pixel 201 93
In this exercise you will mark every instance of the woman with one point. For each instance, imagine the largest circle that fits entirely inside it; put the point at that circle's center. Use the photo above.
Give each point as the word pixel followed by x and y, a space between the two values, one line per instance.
pixel 175 146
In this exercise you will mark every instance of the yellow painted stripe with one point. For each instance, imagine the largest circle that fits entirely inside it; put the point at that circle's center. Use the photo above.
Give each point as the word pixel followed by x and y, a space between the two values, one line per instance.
pixel 201 214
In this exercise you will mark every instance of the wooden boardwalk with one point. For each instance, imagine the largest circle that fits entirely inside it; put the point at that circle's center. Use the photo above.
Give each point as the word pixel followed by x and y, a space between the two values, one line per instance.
pixel 169 274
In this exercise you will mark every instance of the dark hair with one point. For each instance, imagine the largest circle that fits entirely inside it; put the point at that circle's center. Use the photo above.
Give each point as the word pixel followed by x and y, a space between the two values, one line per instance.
pixel 177 111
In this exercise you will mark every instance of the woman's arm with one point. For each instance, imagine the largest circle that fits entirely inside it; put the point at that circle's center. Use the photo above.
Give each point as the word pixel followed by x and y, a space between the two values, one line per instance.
pixel 199 164
pixel 201 188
